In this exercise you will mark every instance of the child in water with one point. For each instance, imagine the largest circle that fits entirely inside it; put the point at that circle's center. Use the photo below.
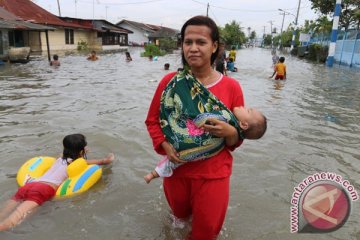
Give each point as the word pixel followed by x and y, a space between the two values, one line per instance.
pixel 232 54
pixel 252 122
pixel 128 57
pixel 230 66
pixel 36 192
pixel 55 61
pixel 280 70
pixel 92 56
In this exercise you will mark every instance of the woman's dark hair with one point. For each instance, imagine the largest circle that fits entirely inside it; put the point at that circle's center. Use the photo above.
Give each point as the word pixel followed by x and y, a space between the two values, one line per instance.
pixel 73 145
pixel 201 21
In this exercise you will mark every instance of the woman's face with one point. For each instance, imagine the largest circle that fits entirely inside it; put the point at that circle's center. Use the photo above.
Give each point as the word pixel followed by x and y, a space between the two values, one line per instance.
pixel 198 46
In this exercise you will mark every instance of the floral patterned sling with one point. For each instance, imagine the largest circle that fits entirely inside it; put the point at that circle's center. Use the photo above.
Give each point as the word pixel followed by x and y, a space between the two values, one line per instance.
pixel 185 104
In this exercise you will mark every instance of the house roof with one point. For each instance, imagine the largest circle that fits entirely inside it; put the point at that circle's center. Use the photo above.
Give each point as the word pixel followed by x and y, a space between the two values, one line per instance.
pixel 164 32
pixel 29 11
pixel 6 15
pixel 155 31
pixel 141 26
pixel 99 25
pixel 107 26
pixel 10 21
pixel 22 25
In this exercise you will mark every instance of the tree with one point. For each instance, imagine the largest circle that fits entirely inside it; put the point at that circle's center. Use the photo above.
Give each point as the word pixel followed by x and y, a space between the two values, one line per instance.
pixel 348 12
pixel 267 39
pixel 232 34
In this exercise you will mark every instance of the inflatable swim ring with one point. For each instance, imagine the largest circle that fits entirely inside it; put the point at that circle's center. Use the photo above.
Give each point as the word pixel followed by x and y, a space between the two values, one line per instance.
pixel 81 175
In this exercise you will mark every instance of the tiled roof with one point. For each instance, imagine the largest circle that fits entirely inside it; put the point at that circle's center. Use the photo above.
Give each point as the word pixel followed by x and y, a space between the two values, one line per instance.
pixel 29 11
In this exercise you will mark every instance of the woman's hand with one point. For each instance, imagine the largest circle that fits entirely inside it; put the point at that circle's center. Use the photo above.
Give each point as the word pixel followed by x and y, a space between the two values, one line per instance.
pixel 222 129
pixel 171 153
pixel 218 128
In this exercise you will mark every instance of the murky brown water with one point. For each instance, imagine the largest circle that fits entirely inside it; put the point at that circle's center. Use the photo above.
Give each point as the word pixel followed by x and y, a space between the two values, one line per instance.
pixel 313 126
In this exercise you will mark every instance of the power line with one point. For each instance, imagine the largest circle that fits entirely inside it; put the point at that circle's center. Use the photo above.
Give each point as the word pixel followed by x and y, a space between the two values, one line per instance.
pixel 118 4
pixel 243 10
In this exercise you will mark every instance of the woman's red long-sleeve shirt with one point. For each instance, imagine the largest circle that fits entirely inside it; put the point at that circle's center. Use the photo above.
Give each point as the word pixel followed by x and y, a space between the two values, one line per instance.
pixel 226 90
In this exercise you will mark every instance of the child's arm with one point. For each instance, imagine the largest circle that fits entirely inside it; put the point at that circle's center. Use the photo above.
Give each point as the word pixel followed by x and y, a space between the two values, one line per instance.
pixel 274 74
pixel 109 158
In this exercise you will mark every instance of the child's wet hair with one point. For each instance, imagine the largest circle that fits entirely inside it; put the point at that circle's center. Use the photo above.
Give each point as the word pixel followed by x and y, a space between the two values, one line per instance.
pixel 73 145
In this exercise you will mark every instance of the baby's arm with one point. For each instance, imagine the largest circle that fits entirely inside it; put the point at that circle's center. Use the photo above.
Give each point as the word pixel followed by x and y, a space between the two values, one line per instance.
pixel 104 161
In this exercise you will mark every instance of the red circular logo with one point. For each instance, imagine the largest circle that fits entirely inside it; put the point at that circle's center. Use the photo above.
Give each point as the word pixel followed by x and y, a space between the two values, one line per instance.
pixel 325 206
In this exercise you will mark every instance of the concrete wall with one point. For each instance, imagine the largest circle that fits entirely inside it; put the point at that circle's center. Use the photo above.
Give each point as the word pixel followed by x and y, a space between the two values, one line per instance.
pixel 57 40
pixel 347 52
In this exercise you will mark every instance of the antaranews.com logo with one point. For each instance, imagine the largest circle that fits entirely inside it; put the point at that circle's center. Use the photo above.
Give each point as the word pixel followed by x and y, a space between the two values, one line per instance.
pixel 321 203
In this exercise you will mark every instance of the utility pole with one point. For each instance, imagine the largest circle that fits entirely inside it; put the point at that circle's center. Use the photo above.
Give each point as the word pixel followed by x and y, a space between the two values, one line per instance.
pixel 271 29
pixel 207 10
pixel 93 9
pixel 262 43
pixel 59 8
pixel 296 22
pixel 337 11
pixel 106 8
pixel 76 8
pixel 282 25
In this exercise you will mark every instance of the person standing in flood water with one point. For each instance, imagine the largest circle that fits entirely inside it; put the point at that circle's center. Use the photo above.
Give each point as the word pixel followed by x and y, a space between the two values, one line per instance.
pixel 92 56
pixel 199 189
pixel 55 62
pixel 279 70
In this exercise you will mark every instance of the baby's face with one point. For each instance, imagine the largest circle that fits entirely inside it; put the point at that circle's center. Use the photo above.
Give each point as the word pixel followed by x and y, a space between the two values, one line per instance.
pixel 249 115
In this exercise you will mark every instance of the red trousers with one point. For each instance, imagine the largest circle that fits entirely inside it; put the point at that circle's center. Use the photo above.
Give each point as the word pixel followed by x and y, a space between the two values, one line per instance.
pixel 205 199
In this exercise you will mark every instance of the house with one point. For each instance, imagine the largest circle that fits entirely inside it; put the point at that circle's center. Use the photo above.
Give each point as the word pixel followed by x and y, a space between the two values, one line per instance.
pixel 165 33
pixel 108 36
pixel 146 33
pixel 68 33
pixel 16 33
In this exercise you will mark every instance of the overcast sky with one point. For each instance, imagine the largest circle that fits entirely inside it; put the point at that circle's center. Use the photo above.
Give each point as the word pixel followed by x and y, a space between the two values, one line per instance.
pixel 173 13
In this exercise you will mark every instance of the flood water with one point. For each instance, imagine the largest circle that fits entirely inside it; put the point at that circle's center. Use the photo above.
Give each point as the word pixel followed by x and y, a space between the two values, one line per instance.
pixel 313 126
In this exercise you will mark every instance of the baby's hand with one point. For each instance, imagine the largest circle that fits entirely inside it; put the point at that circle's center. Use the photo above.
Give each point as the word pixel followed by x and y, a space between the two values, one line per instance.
pixel 109 159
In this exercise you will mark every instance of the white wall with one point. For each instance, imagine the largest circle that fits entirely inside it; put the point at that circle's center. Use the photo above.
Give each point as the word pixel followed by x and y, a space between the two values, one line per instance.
pixel 137 37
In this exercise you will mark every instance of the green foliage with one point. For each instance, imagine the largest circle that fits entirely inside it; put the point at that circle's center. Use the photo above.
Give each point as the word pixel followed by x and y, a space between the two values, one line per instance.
pixel 232 34
pixel 252 35
pixel 318 53
pixel 348 15
pixel 267 40
pixel 152 50
pixel 82 45
pixel 285 37
pixel 168 45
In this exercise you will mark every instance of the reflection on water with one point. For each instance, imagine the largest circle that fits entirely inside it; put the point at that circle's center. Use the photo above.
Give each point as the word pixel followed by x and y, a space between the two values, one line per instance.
pixel 313 120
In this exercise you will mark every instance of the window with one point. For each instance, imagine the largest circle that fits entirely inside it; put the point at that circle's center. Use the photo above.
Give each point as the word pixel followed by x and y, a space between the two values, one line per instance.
pixel 16 38
pixel 69 36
